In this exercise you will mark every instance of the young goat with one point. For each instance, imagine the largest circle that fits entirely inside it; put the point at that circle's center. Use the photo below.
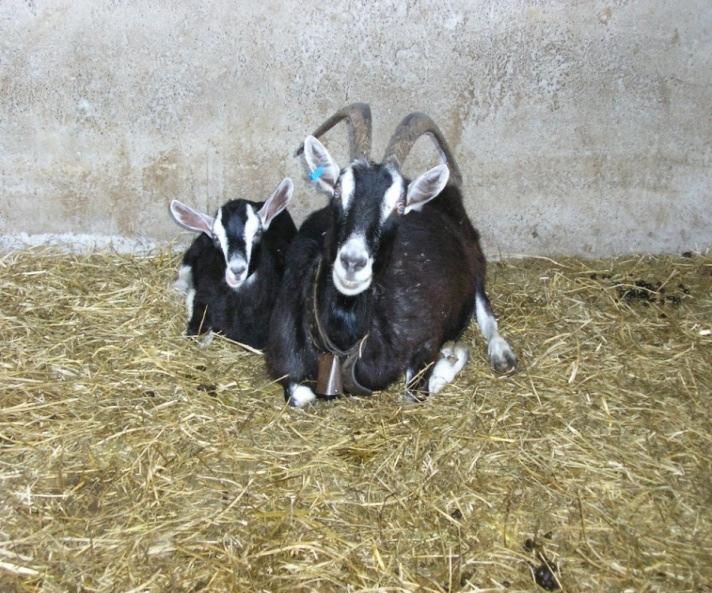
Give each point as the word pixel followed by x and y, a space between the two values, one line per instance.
pixel 232 271
pixel 381 281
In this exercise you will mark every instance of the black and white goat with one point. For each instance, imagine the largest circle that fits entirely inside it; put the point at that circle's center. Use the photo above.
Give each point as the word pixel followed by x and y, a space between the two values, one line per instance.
pixel 382 279
pixel 231 273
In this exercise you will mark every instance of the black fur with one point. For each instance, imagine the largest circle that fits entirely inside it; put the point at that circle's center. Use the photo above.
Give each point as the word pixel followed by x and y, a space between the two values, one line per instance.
pixel 427 266
pixel 241 314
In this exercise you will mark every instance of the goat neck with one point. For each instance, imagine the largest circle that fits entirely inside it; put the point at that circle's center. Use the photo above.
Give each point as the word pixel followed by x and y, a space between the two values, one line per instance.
pixel 343 320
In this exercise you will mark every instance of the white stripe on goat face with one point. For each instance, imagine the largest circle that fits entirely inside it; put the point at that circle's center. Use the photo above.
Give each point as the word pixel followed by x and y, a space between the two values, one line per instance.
pixel 347 188
pixel 219 232
pixel 392 196
pixel 252 225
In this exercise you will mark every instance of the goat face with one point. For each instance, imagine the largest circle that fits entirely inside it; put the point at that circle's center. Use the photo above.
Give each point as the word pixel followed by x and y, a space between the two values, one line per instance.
pixel 237 232
pixel 366 201
pixel 365 197
pixel 237 229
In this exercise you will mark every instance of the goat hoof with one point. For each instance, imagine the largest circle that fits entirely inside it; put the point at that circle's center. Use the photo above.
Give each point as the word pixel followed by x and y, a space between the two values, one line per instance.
pixel 206 340
pixel 502 357
pixel 447 348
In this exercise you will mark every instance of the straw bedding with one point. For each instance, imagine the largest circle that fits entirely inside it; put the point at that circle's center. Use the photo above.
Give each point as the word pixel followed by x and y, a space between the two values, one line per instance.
pixel 135 459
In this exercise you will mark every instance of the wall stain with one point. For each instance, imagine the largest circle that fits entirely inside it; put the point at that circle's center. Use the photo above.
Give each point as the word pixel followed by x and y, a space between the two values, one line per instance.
pixel 162 176
pixel 120 193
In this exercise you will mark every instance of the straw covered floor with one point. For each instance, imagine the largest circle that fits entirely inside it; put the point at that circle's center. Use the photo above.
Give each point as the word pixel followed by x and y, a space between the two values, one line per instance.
pixel 134 459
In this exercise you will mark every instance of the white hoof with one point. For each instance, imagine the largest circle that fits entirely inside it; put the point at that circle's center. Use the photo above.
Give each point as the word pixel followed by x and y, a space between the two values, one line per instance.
pixel 501 355
pixel 453 357
pixel 301 396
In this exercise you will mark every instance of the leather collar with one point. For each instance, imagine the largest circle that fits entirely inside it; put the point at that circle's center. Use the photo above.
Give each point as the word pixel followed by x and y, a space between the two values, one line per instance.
pixel 347 358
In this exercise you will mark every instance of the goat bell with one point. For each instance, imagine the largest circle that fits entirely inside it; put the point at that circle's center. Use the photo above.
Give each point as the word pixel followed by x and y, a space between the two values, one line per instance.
pixel 328 383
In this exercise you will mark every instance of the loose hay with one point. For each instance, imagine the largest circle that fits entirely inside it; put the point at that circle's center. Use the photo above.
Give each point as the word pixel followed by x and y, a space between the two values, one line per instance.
pixel 132 459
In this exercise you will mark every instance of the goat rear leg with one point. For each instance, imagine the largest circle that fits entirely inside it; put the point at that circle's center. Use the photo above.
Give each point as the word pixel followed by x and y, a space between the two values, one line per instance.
pixel 501 355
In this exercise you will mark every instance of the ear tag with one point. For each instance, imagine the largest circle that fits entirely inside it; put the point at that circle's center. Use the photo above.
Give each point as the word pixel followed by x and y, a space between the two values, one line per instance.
pixel 328 381
pixel 316 173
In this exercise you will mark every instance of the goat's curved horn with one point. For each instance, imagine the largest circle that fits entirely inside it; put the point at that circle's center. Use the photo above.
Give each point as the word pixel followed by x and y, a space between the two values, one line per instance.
pixel 412 127
pixel 359 120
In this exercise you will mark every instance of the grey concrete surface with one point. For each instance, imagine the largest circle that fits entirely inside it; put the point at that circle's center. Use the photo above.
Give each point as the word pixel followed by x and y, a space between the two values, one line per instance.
pixel 581 127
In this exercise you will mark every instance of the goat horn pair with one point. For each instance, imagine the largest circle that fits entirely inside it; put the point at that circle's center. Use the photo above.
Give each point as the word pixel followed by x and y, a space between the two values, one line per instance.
pixel 359 120
pixel 412 127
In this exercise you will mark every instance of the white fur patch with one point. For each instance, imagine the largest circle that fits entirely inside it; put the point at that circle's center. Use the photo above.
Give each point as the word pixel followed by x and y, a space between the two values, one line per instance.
pixel 300 396
pixel 347 188
pixel 392 195
pixel 453 359
pixel 220 233
pixel 189 299
pixel 252 225
pixel 486 321
pixel 185 279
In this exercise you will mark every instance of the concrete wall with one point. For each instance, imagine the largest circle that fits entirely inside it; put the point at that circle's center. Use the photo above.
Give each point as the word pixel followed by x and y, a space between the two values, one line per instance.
pixel 581 127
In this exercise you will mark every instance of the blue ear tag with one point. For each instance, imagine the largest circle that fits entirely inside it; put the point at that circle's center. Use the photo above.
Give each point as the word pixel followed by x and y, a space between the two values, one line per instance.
pixel 316 173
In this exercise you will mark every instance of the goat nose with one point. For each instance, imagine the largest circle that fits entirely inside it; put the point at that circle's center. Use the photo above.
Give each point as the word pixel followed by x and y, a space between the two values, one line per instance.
pixel 353 263
pixel 237 268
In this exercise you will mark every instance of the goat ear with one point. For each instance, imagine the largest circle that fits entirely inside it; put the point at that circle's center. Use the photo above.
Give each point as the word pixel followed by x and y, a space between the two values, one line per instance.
pixel 191 219
pixel 276 202
pixel 322 168
pixel 426 187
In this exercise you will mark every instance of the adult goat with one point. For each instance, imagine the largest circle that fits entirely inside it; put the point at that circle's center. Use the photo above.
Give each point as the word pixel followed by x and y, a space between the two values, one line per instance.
pixel 382 280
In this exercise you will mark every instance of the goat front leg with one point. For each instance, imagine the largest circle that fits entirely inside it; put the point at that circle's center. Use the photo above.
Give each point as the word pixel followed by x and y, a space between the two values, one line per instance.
pixel 184 282
pixel 501 355
pixel 453 356
pixel 298 395
pixel 431 379
pixel 294 364
pixel 198 315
